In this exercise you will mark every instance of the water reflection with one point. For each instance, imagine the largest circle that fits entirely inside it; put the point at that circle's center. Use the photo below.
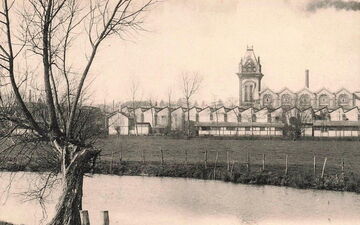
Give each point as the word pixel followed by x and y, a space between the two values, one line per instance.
pixel 160 201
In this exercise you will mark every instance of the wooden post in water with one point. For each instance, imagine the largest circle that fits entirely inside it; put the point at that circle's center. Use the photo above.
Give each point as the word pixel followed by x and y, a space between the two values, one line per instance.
pixel 186 156
pixel 205 160
pixel 106 220
pixel 323 169
pixel 162 156
pixel 286 164
pixel 85 217
pixel 263 162
pixel 216 160
pixel 342 166
pixel 314 167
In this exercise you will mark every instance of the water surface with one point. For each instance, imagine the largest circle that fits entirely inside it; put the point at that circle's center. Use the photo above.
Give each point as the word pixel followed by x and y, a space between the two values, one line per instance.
pixel 163 201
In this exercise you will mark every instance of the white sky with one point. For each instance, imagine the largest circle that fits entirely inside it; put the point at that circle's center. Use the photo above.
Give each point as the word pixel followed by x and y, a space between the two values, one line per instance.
pixel 210 37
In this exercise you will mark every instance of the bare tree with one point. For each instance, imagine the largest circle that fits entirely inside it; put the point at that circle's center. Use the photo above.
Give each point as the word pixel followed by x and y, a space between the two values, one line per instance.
pixel 152 104
pixel 191 83
pixel 297 121
pixel 169 105
pixel 46 33
pixel 134 91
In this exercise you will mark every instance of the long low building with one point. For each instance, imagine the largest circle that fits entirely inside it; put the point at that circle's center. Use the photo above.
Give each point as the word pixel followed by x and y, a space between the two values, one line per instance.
pixel 324 128
pixel 239 129
pixel 238 121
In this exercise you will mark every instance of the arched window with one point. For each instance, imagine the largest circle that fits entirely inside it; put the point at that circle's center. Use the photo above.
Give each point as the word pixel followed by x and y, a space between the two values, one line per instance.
pixel 304 100
pixel 343 99
pixel 286 100
pixel 267 99
pixel 211 116
pixel 239 118
pixel 324 100
pixel 249 89
pixel 225 117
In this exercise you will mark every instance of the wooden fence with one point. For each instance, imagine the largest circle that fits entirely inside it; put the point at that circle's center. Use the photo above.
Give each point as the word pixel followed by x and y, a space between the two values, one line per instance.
pixel 230 161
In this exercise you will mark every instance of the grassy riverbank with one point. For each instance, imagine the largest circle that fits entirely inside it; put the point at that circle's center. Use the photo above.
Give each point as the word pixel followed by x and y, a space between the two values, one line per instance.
pixel 237 173
pixel 239 161
pixel 300 153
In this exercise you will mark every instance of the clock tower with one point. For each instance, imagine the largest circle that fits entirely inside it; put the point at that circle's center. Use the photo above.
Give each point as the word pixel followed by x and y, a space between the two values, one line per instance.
pixel 249 79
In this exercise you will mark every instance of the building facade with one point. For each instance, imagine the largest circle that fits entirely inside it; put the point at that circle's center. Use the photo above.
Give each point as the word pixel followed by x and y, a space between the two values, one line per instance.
pixel 261 112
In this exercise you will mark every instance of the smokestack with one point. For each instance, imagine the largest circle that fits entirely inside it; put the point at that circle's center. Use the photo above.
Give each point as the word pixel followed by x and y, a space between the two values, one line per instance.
pixel 307 78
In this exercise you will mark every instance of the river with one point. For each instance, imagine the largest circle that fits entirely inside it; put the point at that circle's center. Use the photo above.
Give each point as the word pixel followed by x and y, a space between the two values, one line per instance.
pixel 163 201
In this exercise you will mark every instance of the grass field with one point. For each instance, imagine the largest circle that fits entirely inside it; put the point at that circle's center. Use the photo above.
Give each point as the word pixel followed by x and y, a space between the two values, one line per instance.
pixel 300 153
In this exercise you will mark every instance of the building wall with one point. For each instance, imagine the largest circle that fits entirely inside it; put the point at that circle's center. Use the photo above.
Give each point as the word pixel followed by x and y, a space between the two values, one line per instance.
pixel 142 129
pixel 118 123
pixel 241 131
pixel 204 115
pixel 177 119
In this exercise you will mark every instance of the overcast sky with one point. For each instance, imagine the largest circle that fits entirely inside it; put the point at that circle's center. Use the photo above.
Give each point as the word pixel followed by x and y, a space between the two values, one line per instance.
pixel 210 37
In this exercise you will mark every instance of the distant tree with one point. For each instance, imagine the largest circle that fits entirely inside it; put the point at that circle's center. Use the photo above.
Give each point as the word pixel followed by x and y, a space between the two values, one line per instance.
pixel 169 95
pixel 296 122
pixel 134 92
pixel 191 83
pixel 231 102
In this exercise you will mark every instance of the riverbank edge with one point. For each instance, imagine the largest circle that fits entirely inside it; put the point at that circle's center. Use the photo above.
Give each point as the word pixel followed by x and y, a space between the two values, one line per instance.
pixel 272 175
pixel 237 174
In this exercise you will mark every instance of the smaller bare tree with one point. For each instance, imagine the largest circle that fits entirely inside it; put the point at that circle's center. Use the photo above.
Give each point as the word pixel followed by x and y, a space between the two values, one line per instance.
pixel 191 83
pixel 134 92
pixel 169 96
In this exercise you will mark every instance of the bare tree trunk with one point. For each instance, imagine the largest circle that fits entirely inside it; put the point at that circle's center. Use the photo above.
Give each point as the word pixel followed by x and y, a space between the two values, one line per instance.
pixel 70 202
pixel 188 117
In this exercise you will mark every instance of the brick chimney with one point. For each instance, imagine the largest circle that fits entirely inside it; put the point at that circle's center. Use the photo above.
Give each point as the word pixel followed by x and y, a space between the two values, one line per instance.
pixel 307 78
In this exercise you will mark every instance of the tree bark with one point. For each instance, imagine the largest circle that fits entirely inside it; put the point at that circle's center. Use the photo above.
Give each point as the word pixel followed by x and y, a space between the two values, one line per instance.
pixel 70 202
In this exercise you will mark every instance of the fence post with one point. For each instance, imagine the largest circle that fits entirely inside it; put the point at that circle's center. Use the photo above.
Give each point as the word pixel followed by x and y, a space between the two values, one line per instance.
pixel 263 162
pixel 216 160
pixel 248 161
pixel 143 155
pixel 314 167
pixel 286 164
pixel 162 156
pixel 228 160
pixel 342 165
pixel 85 217
pixel 186 156
pixel 106 220
pixel 323 169
pixel 121 154
pixel 111 161
pixel 206 153
pixel 232 167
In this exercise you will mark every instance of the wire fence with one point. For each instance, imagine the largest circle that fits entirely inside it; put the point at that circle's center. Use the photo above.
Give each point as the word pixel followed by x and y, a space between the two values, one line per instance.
pixel 317 164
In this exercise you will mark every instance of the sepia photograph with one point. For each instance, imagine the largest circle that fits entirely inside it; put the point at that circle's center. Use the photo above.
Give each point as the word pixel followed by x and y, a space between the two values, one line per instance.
pixel 180 112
